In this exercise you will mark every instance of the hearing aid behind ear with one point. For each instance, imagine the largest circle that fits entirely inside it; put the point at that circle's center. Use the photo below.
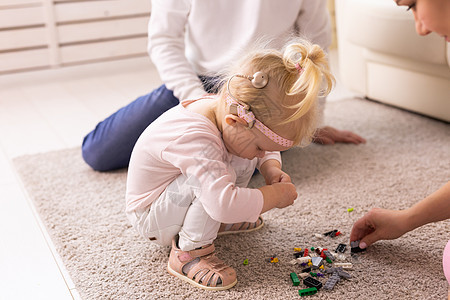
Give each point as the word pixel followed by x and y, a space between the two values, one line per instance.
pixel 259 80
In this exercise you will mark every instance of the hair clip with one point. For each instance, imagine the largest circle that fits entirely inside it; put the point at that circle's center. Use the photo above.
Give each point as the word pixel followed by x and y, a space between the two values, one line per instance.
pixel 299 68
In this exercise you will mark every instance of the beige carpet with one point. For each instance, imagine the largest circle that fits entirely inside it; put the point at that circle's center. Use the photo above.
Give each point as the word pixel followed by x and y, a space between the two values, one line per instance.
pixel 406 158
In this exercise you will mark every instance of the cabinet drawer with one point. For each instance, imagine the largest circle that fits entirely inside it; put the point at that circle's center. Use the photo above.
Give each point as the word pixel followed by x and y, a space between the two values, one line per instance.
pixel 107 29
pixel 91 10
pixel 10 3
pixel 21 17
pixel 54 33
pixel 21 60
pixel 22 38
pixel 103 50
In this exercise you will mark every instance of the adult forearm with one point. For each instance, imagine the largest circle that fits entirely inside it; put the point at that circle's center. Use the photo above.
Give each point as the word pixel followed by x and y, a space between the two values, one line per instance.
pixel 166 47
pixel 434 208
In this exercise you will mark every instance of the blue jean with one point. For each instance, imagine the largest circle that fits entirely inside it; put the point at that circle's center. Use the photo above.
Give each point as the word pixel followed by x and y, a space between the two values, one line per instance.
pixel 109 146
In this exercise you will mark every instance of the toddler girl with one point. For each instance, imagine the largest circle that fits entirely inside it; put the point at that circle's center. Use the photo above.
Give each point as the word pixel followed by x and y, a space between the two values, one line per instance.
pixel 189 170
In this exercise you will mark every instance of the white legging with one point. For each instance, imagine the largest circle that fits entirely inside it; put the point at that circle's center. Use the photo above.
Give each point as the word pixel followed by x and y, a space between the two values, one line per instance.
pixel 179 211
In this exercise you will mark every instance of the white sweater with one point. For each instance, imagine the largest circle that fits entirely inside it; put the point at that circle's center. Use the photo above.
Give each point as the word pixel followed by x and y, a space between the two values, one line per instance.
pixel 201 37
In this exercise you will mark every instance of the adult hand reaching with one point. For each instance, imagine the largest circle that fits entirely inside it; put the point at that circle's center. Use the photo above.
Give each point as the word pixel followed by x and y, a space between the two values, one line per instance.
pixel 384 224
pixel 379 224
pixel 328 135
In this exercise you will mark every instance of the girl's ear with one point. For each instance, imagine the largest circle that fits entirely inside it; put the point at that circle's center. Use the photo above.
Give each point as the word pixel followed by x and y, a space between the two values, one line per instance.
pixel 232 120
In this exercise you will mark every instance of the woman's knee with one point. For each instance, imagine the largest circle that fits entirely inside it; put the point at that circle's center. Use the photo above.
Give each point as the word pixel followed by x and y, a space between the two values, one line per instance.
pixel 100 157
pixel 90 155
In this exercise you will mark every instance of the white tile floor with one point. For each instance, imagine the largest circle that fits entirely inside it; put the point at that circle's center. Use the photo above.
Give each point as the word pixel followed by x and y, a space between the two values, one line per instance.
pixel 48 110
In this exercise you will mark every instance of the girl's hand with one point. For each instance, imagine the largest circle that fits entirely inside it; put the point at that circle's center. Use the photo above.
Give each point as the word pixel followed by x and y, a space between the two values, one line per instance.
pixel 272 173
pixel 279 191
pixel 279 195
pixel 379 224
pixel 328 136
pixel 275 175
pixel 287 194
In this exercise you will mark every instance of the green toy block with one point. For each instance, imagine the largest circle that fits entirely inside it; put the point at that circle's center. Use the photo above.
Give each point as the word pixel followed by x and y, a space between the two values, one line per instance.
pixel 295 279
pixel 307 292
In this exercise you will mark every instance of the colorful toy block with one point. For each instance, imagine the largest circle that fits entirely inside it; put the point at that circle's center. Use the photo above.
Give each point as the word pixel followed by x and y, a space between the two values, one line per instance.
pixel 331 233
pixel 344 265
pixel 344 274
pixel 316 262
pixel 294 278
pixel 341 248
pixel 306 270
pixel 355 247
pixel 307 292
pixel 304 259
pixel 328 254
pixel 306 252
pixel 311 282
pixel 331 282
pixel 333 270
pixel 303 275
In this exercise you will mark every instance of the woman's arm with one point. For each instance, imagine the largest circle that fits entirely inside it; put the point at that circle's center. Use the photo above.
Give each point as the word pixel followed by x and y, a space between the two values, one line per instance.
pixel 384 224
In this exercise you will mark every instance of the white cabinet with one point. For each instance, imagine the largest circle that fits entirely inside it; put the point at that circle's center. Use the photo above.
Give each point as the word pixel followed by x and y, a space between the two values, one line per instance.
pixel 46 34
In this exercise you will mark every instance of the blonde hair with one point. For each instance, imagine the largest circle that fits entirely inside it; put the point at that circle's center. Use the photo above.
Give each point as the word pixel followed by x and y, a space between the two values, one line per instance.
pixel 289 101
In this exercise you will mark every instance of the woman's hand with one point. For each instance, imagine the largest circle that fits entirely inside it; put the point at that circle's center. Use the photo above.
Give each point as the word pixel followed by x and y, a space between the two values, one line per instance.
pixel 328 136
pixel 379 224
pixel 384 224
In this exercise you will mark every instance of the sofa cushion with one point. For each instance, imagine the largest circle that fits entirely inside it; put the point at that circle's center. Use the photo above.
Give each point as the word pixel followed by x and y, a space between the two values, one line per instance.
pixel 382 26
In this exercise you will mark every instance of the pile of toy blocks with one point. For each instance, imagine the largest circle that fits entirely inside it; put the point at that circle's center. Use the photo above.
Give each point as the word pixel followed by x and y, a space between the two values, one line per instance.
pixel 319 263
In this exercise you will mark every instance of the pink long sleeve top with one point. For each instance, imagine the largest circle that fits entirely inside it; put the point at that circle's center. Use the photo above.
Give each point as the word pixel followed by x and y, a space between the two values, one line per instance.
pixel 185 142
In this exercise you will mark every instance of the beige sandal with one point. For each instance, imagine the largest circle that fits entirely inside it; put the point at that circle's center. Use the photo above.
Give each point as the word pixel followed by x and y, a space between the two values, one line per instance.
pixel 240 227
pixel 201 268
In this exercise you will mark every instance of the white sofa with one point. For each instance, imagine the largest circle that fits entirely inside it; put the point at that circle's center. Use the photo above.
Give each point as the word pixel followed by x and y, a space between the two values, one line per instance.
pixel 383 58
